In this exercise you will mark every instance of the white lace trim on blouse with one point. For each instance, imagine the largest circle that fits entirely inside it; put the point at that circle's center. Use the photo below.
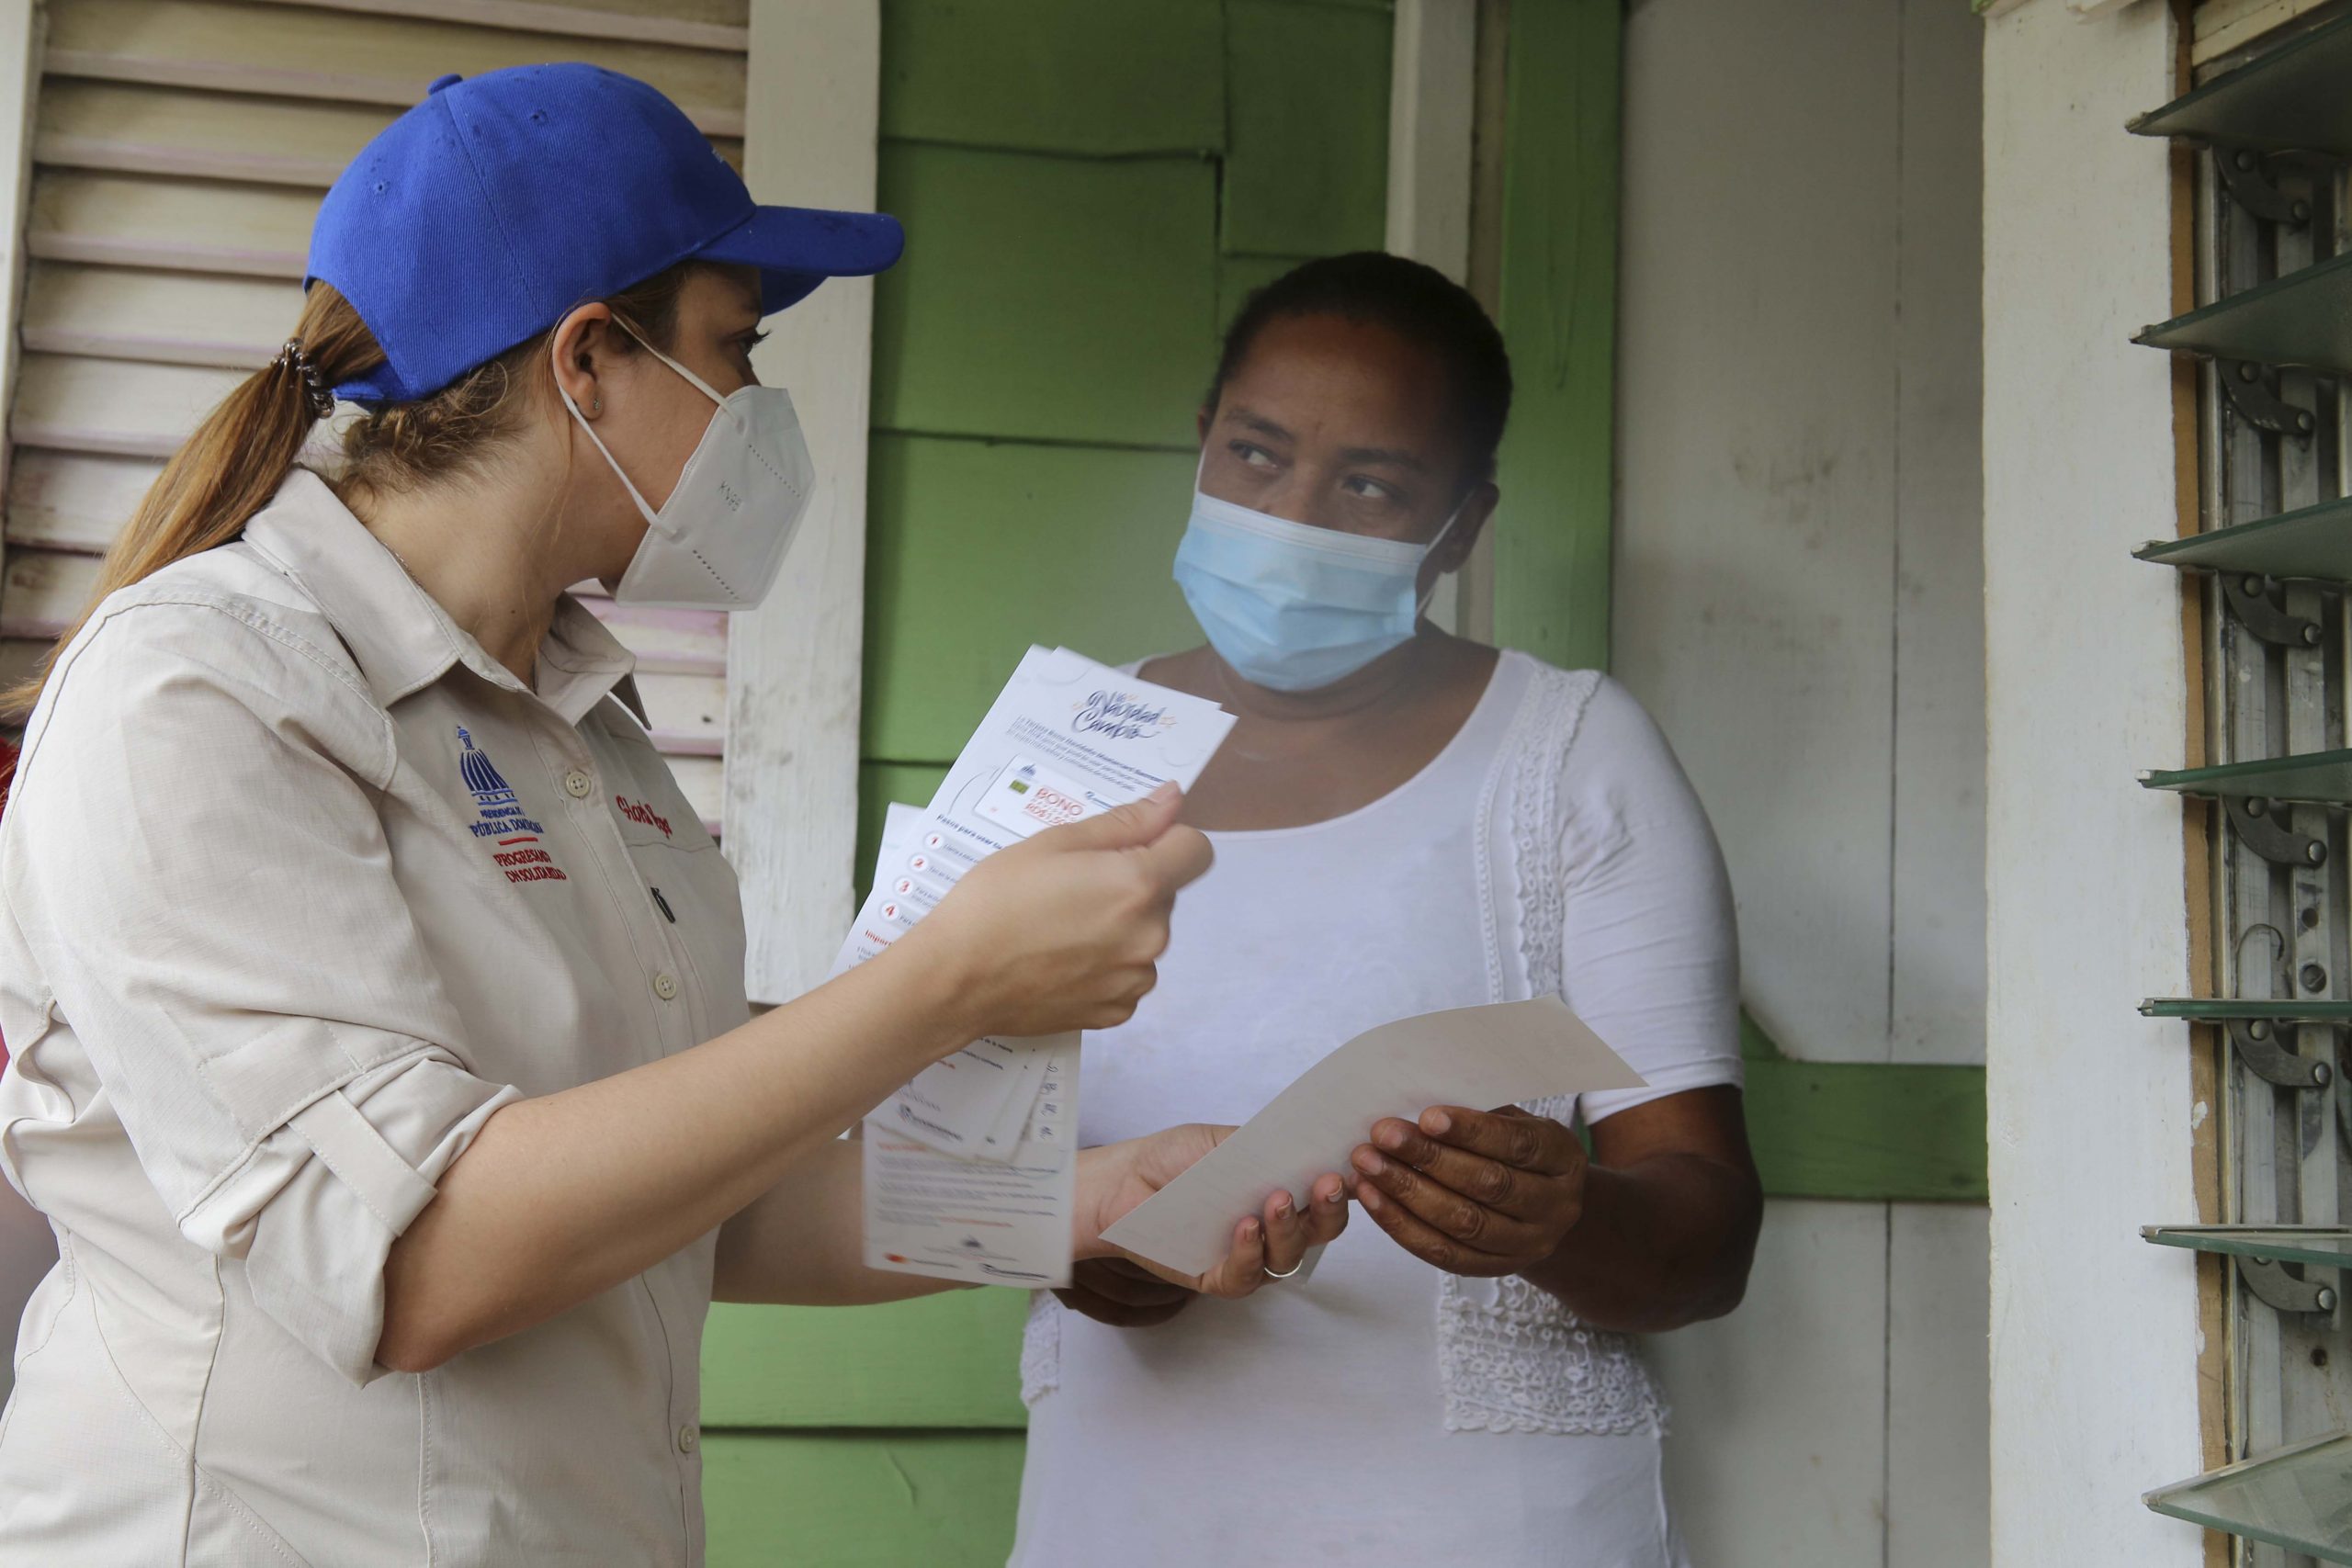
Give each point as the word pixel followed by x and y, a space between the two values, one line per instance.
pixel 1520 1360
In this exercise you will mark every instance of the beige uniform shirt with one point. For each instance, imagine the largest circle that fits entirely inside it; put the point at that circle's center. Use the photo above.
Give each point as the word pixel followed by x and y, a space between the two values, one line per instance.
pixel 297 886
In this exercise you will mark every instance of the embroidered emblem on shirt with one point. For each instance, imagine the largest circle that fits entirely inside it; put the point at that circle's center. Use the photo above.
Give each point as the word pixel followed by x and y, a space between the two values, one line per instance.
pixel 513 834
pixel 637 811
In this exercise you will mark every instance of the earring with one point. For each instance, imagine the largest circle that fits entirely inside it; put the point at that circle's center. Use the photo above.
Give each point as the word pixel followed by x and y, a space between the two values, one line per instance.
pixel 597 407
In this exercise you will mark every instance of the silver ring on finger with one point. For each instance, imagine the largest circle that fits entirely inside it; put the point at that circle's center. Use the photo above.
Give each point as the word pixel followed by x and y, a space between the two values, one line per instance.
pixel 1286 1273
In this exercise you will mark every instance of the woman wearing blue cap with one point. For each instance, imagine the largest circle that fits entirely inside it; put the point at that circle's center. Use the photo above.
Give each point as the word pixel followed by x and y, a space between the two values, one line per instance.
pixel 380 1051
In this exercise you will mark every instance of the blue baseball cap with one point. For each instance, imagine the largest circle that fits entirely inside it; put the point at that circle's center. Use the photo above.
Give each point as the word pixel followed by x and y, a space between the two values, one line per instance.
pixel 484 214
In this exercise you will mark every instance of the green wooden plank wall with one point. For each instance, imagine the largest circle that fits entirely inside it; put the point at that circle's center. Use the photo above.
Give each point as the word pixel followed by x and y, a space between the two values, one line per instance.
pixel 865 1499
pixel 1090 186
pixel 1558 315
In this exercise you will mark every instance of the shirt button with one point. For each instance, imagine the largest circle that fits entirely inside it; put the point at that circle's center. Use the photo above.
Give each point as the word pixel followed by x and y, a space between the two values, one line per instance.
pixel 688 1440
pixel 577 785
pixel 665 985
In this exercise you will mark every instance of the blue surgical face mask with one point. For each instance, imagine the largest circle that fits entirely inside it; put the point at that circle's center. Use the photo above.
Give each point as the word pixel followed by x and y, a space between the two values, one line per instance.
pixel 1292 607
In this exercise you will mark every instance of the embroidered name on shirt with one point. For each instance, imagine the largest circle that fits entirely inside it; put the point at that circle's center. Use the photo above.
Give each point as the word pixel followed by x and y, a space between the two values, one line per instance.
pixel 500 818
pixel 637 811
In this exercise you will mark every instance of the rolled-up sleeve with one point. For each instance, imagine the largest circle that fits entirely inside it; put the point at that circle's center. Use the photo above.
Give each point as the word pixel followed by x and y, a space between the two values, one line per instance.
pixel 1649 945
pixel 206 882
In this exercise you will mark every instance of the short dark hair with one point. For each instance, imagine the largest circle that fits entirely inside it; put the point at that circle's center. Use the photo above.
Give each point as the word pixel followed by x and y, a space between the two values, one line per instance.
pixel 1415 301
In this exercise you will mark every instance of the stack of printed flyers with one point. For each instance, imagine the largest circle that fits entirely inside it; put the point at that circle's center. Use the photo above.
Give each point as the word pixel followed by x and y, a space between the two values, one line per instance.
pixel 971 1168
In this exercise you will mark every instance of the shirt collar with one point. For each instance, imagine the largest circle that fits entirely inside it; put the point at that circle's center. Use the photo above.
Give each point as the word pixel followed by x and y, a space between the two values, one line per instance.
pixel 581 661
pixel 401 637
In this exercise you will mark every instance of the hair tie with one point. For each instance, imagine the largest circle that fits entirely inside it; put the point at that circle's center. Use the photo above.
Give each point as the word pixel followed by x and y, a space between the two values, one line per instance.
pixel 292 352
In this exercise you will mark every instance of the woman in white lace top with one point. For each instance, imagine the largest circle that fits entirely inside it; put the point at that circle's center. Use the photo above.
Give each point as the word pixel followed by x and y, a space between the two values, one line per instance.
pixel 1404 821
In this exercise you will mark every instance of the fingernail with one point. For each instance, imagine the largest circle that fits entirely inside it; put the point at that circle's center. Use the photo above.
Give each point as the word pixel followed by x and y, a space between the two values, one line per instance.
pixel 1370 1163
pixel 1389 1137
pixel 1282 1205
pixel 1250 1230
pixel 1438 1122
pixel 1369 1198
pixel 1337 1195
pixel 1167 791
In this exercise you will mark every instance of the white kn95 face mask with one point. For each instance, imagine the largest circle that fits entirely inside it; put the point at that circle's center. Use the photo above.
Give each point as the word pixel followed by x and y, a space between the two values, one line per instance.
pixel 718 541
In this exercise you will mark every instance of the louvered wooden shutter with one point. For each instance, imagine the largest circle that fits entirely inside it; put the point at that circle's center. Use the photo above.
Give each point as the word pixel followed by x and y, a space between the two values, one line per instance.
pixel 180 149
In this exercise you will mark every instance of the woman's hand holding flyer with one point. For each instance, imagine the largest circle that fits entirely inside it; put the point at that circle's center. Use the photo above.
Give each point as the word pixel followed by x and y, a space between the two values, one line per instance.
pixel 968 1169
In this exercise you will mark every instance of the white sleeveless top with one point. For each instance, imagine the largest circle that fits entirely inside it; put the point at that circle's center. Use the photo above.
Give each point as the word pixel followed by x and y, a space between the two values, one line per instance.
pixel 1554 845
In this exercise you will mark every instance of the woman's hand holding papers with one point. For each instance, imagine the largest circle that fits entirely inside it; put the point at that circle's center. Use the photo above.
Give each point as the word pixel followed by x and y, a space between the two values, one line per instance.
pixel 1114 1177
pixel 1478 1193
pixel 1064 931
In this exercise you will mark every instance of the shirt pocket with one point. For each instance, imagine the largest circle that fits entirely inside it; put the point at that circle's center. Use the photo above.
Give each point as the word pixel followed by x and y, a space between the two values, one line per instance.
pixel 696 898
pixel 693 889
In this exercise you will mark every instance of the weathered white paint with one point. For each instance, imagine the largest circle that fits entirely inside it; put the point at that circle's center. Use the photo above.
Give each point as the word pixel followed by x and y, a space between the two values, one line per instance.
pixel 1935 962
pixel 1432 92
pixel 354 55
pixel 42 591
pixel 1798 599
pixel 1430 95
pixel 2094 1334
pixel 1938 1431
pixel 72 500
pixel 119 219
pixel 1776 1458
pixel 794 664
pixel 699 24
pixel 108 125
pixel 1758 417
pixel 141 127
pixel 167 318
pixel 113 406
pixel 1838 1415
pixel 2225 26
pixel 1797 564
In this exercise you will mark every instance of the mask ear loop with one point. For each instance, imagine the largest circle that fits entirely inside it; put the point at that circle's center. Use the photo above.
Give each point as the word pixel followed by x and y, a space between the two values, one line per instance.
pixel 696 382
pixel 652 518
pixel 1421 608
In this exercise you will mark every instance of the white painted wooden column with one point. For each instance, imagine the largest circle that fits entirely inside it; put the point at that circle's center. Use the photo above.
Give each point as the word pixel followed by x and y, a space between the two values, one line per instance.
pixel 792 665
pixel 2094 1333
pixel 1432 93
